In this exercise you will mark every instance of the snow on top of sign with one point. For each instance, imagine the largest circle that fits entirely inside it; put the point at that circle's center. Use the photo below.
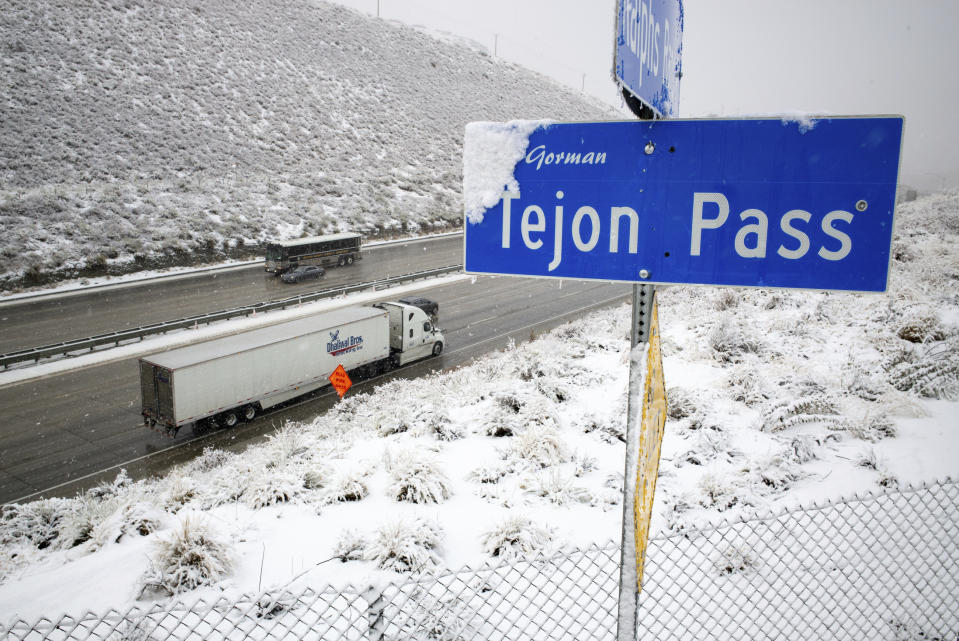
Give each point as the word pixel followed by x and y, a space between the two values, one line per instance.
pixel 806 121
pixel 490 153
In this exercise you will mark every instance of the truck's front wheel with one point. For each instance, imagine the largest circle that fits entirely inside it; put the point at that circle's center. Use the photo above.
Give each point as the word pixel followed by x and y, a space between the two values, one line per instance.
pixel 437 348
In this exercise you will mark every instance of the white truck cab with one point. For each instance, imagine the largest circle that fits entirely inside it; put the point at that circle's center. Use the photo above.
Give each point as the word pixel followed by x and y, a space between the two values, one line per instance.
pixel 412 334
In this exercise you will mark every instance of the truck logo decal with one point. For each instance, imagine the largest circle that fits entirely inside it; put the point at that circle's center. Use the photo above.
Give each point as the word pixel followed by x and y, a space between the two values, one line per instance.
pixel 336 346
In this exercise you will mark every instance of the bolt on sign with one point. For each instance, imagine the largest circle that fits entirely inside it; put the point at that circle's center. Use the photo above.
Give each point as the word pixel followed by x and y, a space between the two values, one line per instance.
pixel 650 444
pixel 340 380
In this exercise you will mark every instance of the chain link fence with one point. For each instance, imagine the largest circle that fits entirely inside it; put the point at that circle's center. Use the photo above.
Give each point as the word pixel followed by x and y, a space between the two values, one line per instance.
pixel 879 567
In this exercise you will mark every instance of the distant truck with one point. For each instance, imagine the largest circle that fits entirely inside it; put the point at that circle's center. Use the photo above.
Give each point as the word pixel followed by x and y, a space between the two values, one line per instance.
pixel 229 379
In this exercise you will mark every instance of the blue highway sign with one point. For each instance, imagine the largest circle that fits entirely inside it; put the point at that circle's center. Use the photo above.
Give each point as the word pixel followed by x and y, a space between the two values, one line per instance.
pixel 649 43
pixel 754 202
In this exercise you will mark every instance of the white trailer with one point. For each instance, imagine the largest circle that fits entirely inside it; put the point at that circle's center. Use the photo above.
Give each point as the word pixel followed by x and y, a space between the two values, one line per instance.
pixel 232 378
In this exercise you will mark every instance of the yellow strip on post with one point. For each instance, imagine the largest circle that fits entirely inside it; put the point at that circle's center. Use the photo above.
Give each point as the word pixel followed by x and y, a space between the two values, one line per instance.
pixel 650 443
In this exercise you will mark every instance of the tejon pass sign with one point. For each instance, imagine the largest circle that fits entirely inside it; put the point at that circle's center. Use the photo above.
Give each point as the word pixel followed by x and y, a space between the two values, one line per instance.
pixel 758 202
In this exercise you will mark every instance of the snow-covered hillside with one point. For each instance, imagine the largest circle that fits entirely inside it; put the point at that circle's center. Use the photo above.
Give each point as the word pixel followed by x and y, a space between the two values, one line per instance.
pixel 145 132
pixel 776 399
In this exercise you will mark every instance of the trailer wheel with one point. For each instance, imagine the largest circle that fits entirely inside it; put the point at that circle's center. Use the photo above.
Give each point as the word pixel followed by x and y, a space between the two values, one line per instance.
pixel 341 261
pixel 437 348
pixel 349 259
pixel 229 419
pixel 249 412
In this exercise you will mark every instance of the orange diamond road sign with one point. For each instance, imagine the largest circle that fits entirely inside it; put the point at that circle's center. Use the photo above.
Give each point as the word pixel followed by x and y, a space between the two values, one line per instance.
pixel 340 380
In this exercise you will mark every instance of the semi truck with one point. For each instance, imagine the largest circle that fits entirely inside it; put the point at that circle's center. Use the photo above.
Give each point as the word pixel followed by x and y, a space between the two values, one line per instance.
pixel 233 378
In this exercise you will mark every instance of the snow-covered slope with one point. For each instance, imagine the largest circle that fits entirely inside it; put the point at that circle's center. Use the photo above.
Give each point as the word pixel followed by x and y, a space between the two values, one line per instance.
pixel 150 130
pixel 775 399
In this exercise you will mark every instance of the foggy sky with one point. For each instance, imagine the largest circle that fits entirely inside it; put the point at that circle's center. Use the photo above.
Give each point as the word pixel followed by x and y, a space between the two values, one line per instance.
pixel 748 57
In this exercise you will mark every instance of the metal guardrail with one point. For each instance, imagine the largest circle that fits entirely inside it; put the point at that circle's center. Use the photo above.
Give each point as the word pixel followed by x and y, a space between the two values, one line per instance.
pixel 60 349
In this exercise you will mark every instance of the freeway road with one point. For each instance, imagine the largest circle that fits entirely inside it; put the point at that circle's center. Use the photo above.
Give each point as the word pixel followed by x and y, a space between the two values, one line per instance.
pixel 62 434
pixel 54 319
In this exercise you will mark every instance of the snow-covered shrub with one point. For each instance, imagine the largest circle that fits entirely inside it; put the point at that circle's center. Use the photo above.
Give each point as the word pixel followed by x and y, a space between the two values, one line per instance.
pixel 718 492
pixel 583 464
pixel 730 342
pixel 748 387
pixel 348 486
pixel 350 546
pixel 180 490
pixel 272 487
pixel 406 546
pixel 553 389
pixel 489 474
pixel 80 524
pixel 707 444
pixel 229 483
pixel 501 422
pixel 733 559
pixel 680 403
pixel 285 443
pixel 108 489
pixel 869 459
pixel 866 386
pixel 922 329
pixel 142 518
pixel 770 474
pixel 115 519
pixel 37 523
pixel 819 408
pixel 726 298
pixel 315 476
pixel 416 477
pixel 802 449
pixel 447 618
pixel 539 446
pixel 873 427
pixel 607 429
pixel 509 401
pixel 438 424
pixel 557 488
pixel 192 555
pixel 887 480
pixel 517 537
pixel 211 459
pixel 931 371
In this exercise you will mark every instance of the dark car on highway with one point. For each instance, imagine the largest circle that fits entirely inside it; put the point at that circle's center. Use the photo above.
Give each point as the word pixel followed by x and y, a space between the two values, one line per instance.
pixel 430 307
pixel 304 272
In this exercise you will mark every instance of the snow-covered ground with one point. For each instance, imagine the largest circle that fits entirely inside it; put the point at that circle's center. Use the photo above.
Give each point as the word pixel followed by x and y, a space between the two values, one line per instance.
pixel 138 134
pixel 776 399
